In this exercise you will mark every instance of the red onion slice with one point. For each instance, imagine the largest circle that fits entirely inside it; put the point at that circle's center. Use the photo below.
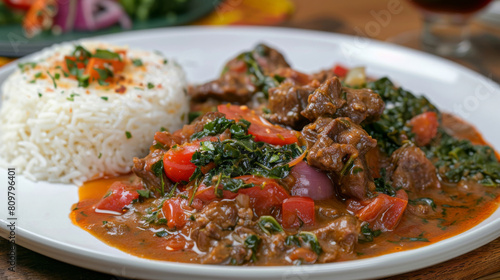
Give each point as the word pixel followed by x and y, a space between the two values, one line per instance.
pixel 311 182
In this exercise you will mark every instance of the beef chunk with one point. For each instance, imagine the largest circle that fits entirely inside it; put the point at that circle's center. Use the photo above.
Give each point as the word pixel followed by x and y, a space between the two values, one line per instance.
pixel 411 170
pixel 340 234
pixel 362 106
pixel 325 101
pixel 332 100
pixel 287 101
pixel 330 156
pixel 235 84
pixel 311 131
pixel 269 59
pixel 323 75
pixel 222 213
pixel 213 222
pixel 340 149
pixel 142 168
pixel 344 131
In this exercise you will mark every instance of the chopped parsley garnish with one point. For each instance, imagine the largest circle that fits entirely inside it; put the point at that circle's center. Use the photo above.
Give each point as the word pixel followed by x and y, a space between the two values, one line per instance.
pixel 161 233
pixel 105 98
pixel 165 61
pixel 382 185
pixel 81 53
pixel 143 193
pixel 137 62
pixel 269 225
pixel 128 134
pixel 150 86
pixel 100 155
pixel 252 242
pixel 105 54
pixel 22 66
pixel 367 234
pixel 158 171
pixel 39 95
pixel 53 79
pixel 304 238
pixel 38 75
pixel 72 96
pixel 104 74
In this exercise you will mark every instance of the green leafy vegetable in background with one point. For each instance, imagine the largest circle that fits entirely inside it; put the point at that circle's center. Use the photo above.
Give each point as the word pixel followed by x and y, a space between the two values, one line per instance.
pixel 147 9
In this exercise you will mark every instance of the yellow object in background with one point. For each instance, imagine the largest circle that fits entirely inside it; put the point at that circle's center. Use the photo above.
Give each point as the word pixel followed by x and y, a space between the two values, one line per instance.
pixel 5 60
pixel 248 12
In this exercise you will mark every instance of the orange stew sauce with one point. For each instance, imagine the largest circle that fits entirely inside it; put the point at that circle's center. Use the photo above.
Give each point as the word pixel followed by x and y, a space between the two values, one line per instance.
pixel 459 207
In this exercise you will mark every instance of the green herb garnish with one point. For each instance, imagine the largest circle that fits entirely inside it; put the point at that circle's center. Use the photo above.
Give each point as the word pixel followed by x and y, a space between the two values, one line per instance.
pixel 269 225
pixel 252 242
pixel 137 62
pixel 106 54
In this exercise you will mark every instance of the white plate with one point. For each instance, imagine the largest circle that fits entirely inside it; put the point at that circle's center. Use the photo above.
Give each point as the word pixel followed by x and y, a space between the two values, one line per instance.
pixel 43 209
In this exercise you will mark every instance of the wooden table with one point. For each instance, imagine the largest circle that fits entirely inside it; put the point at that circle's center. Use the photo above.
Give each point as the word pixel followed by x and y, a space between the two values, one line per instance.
pixel 346 17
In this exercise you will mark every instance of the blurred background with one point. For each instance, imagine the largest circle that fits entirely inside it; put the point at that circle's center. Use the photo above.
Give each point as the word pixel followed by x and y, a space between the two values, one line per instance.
pixel 465 31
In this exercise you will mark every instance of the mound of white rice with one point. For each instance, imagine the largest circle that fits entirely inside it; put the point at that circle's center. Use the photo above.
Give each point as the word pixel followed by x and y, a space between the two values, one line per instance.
pixel 73 134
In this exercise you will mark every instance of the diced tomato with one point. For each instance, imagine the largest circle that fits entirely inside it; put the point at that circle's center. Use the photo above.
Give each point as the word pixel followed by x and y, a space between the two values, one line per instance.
pixel 354 206
pixel 265 195
pixel 340 70
pixel 383 212
pixel 177 162
pixel 207 194
pixel 425 127
pixel 237 65
pixel 297 209
pixel 173 212
pixel 79 65
pixel 93 64
pixel 260 128
pixel 118 197
pixel 175 243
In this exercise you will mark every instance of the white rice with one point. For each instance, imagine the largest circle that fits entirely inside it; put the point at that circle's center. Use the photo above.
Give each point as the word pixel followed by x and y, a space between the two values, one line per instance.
pixel 71 134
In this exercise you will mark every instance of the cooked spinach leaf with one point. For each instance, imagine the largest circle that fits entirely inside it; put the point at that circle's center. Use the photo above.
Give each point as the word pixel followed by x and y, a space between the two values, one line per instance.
pixel 458 160
pixel 238 156
pixel 400 107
